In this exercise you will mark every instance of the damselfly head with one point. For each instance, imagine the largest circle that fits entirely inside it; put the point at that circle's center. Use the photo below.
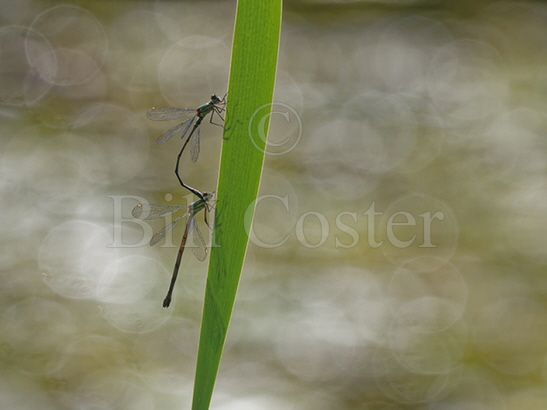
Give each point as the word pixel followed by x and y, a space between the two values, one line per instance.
pixel 208 195
pixel 215 99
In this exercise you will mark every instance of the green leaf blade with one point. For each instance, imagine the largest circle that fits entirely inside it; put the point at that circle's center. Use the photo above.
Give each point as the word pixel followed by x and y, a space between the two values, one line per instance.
pixel 251 87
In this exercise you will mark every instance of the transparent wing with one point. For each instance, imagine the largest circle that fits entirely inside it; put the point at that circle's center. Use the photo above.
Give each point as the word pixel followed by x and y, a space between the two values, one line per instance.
pixel 194 146
pixel 167 113
pixel 193 119
pixel 166 135
pixel 154 211
pixel 195 240
pixel 158 236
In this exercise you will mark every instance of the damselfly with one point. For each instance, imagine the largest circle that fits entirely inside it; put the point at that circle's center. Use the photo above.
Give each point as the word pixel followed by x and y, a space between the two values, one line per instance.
pixel 189 126
pixel 198 245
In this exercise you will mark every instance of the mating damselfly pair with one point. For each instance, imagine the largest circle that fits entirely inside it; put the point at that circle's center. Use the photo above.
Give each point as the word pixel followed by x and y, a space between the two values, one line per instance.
pixel 189 129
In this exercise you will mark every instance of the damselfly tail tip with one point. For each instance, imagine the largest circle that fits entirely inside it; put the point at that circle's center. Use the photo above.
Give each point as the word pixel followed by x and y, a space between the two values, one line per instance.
pixel 166 302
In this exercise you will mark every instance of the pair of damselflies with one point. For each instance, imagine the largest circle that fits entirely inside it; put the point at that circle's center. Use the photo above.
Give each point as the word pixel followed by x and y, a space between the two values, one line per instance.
pixel 190 130
pixel 189 127
pixel 192 235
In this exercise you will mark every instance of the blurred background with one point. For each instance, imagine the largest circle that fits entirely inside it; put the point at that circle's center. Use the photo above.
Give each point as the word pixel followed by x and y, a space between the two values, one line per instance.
pixel 397 258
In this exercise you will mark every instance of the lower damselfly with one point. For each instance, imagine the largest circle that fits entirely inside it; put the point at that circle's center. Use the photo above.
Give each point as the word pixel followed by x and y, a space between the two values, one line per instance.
pixel 197 244
pixel 190 128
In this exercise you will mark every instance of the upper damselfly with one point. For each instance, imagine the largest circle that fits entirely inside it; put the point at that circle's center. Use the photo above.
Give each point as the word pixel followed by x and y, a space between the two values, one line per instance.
pixel 188 127
pixel 198 245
